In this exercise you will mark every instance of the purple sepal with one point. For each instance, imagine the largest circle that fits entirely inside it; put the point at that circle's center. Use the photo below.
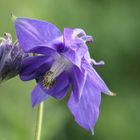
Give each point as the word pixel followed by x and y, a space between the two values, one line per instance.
pixel 86 111
pixel 32 33
pixel 38 95
pixel 35 67
pixel 78 79
pixel 96 79
pixel 60 87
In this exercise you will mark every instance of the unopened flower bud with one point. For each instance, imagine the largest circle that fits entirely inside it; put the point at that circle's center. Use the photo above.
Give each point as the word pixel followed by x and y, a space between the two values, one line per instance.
pixel 11 56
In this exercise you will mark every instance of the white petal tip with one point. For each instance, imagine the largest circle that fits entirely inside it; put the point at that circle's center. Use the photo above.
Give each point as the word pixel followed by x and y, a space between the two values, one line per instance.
pixel 13 17
pixel 92 132
pixel 112 94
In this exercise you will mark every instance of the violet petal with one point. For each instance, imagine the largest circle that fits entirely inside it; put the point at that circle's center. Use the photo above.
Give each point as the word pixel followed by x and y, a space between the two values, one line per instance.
pixel 97 80
pixel 76 47
pixel 78 79
pixel 86 111
pixel 60 87
pixel 32 33
pixel 38 95
pixel 33 67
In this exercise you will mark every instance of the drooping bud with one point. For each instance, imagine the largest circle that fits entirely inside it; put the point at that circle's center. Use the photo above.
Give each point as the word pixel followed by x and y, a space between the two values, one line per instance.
pixel 11 56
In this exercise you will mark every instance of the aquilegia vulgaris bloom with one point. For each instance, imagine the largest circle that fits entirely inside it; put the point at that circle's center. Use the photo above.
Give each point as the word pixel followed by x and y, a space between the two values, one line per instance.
pixel 62 60
pixel 11 56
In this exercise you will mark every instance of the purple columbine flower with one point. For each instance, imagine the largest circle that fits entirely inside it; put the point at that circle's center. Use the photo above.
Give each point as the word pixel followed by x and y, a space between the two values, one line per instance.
pixel 11 56
pixel 62 60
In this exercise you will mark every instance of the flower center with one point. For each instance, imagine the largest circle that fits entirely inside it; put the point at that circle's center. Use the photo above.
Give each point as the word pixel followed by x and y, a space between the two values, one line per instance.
pixel 60 65
pixel 48 81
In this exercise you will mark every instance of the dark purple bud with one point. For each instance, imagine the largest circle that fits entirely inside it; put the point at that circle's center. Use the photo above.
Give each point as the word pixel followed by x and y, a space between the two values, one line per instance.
pixel 11 56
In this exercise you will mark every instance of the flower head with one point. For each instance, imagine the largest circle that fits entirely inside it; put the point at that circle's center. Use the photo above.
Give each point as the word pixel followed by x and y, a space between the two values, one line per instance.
pixel 63 60
pixel 11 56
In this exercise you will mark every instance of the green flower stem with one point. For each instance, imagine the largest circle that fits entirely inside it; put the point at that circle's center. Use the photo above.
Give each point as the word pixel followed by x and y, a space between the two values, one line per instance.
pixel 39 118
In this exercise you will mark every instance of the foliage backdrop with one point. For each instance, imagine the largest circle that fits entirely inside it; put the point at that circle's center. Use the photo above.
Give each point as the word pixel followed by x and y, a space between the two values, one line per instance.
pixel 115 25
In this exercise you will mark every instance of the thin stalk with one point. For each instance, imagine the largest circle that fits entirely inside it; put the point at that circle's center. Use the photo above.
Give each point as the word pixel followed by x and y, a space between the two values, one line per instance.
pixel 39 118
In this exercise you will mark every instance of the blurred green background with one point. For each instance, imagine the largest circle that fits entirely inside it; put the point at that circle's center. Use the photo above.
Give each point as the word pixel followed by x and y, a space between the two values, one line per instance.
pixel 115 25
